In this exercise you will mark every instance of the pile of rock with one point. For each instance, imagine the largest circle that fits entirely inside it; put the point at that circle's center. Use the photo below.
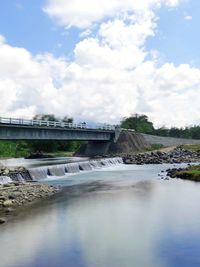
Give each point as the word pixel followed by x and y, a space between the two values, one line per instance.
pixel 178 155
pixel 17 194
pixel 172 173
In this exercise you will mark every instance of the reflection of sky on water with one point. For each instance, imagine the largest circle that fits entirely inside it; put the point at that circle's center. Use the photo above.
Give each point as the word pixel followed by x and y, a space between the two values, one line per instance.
pixel 180 250
pixel 149 224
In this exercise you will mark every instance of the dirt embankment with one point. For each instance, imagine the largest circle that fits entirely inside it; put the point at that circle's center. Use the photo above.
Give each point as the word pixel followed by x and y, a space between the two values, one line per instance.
pixel 128 142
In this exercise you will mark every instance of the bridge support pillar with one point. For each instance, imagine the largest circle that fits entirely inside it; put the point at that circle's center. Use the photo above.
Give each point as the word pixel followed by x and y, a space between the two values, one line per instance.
pixel 97 148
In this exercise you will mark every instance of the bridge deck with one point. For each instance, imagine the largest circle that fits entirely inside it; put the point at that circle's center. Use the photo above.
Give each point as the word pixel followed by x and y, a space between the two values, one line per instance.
pixel 19 129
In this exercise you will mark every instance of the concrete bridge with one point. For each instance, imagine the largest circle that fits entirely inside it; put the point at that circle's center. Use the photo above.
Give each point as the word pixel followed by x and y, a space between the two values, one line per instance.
pixel 21 129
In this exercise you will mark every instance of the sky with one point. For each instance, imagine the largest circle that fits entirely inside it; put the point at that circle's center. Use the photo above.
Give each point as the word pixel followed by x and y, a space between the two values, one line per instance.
pixel 100 61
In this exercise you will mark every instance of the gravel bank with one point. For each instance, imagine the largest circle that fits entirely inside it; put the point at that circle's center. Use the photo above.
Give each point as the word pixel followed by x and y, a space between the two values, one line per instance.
pixel 14 195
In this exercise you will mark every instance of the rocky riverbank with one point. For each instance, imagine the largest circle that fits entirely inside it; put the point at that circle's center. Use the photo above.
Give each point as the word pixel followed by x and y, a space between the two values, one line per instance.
pixel 190 173
pixel 15 195
pixel 178 155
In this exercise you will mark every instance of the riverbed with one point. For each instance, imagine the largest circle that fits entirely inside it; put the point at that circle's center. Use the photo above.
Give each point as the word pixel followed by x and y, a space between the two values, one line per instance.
pixel 117 216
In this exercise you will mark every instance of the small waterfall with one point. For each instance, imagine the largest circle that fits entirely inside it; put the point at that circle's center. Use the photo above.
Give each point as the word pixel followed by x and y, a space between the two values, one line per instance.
pixel 85 166
pixel 72 167
pixel 58 170
pixel 38 173
pixel 75 167
pixel 96 163
pixel 5 180
pixel 20 178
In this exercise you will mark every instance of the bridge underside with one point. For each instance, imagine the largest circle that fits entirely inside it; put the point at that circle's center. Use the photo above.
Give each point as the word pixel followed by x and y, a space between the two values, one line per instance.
pixel 8 132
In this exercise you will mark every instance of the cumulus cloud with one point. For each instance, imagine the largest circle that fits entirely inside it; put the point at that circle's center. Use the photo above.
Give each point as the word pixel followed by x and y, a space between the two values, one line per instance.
pixel 83 13
pixel 112 75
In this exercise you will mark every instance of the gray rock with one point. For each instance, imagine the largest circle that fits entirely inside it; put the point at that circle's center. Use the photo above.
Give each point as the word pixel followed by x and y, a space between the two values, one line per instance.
pixel 7 203
pixel 2 220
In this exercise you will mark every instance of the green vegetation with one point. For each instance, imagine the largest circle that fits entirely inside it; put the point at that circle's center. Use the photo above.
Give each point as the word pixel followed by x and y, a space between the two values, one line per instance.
pixel 13 149
pixel 154 147
pixel 19 149
pixel 191 173
pixel 142 124
pixel 193 148
pixel 139 123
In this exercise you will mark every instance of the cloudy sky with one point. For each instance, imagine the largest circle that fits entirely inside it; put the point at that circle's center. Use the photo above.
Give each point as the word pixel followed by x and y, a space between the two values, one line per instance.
pixel 101 60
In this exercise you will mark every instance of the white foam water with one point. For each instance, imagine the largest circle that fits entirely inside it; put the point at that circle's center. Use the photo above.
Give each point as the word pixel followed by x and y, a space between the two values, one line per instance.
pixel 72 167
pixel 5 180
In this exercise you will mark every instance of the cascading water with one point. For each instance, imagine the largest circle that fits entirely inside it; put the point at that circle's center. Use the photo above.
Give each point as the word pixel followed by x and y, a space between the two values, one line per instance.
pixel 72 167
pixel 5 180
pixel 20 178
pixel 38 173
pixel 85 166
pixel 57 170
pixel 41 173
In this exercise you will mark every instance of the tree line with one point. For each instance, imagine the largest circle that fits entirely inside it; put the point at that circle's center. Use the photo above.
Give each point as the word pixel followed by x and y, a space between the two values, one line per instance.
pixel 142 124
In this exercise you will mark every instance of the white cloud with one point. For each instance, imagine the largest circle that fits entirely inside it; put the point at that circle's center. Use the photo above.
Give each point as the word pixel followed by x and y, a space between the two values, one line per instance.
pixel 110 76
pixel 188 17
pixel 83 14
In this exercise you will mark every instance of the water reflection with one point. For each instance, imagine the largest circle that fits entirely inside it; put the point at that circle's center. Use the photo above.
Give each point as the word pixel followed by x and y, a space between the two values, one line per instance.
pixel 147 223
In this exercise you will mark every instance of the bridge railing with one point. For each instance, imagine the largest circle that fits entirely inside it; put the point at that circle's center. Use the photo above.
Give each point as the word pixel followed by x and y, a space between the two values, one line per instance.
pixel 62 124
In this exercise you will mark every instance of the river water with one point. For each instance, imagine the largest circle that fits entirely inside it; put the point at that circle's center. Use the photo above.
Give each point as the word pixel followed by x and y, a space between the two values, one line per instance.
pixel 117 216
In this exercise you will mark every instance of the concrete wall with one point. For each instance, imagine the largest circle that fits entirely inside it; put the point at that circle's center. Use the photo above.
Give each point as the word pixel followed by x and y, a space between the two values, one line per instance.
pixel 168 141
pixel 41 133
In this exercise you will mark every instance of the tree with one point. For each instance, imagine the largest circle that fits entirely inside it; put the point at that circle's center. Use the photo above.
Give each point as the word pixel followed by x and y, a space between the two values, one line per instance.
pixel 163 131
pixel 45 117
pixel 139 123
pixel 67 119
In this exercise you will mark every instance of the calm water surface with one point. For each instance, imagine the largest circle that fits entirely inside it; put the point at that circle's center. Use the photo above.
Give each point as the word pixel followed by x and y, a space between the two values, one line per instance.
pixel 122 216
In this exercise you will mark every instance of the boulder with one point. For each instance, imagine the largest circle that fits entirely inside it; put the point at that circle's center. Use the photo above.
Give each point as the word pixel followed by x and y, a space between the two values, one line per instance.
pixel 2 220
pixel 7 203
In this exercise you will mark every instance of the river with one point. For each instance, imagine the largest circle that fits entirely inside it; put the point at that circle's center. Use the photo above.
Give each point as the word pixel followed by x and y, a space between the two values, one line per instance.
pixel 117 216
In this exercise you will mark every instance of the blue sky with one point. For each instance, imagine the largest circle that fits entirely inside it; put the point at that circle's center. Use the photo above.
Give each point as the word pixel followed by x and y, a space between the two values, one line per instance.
pixel 24 24
pixel 178 38
pixel 106 60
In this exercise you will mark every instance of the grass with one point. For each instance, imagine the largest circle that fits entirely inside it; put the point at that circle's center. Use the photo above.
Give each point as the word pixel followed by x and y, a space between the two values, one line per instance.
pixel 193 148
pixel 154 147
pixel 191 173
